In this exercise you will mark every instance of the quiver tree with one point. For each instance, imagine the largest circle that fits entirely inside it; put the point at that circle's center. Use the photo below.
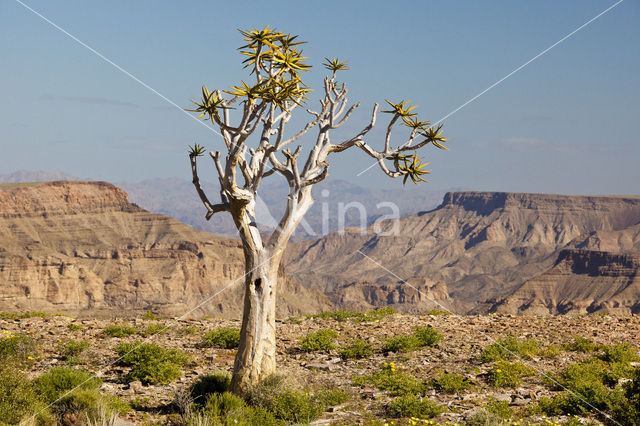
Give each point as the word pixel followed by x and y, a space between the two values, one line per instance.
pixel 263 108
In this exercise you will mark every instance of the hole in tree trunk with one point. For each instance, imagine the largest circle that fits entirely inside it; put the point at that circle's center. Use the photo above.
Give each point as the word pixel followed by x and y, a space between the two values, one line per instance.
pixel 258 284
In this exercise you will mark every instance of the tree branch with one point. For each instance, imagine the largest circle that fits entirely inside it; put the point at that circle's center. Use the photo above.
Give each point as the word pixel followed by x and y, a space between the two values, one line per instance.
pixel 211 208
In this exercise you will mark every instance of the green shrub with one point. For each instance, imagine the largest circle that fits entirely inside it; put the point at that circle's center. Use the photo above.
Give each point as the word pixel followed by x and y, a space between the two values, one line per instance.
pixel 421 337
pixel 379 313
pixel 438 312
pixel 593 384
pixel 339 315
pixel 581 344
pixel 217 382
pixel 153 329
pixel 321 340
pixel 509 348
pixel 390 379
pixel 74 327
pixel 509 374
pixel 189 330
pixel 90 404
pixel 151 363
pixel 331 397
pixel 450 383
pixel 620 352
pixel 344 315
pixel 277 395
pixel 150 316
pixel 356 349
pixel 57 381
pixel 485 418
pixel 550 351
pixel 427 336
pixel 30 314
pixel 583 400
pixel 18 399
pixel 295 406
pixel 226 338
pixel 72 348
pixel 595 370
pixel 413 406
pixel 402 343
pixel 17 349
pixel 226 408
pixel 117 330
pixel 499 408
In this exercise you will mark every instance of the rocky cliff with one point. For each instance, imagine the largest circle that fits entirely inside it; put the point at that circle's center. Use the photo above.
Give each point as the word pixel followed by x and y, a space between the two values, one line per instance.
pixel 581 281
pixel 83 248
pixel 483 246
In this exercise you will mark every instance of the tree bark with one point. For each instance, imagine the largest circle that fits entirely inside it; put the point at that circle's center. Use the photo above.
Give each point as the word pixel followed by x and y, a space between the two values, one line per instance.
pixel 256 358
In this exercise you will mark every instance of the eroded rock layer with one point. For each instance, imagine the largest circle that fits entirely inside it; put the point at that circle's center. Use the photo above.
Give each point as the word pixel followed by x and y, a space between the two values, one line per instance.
pixel 482 247
pixel 83 248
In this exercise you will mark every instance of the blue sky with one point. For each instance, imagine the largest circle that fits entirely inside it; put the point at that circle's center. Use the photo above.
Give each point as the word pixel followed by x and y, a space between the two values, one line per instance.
pixel 566 123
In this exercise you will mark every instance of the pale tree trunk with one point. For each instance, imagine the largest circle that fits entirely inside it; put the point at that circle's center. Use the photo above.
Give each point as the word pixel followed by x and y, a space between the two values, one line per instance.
pixel 256 358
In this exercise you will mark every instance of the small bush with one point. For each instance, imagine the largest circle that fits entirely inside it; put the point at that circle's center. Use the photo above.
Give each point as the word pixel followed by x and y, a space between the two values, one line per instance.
pixel 421 337
pixel 217 382
pixel 153 329
pixel 379 313
pixel 18 399
pixel 438 312
pixel 486 418
pixel 295 406
pixel 30 314
pixel 509 374
pixel 499 408
pixel 550 351
pixel 277 395
pixel 509 348
pixel 151 363
pixel 226 338
pixel 344 315
pixel 356 349
pixel 450 383
pixel 620 352
pixel 117 330
pixel 390 379
pixel 89 405
pixel 581 344
pixel 225 408
pixel 72 348
pixel 404 343
pixel 74 327
pixel 17 349
pixel 150 316
pixel 427 336
pixel 339 315
pixel 57 381
pixel 413 406
pixel 189 330
pixel 321 340
pixel 332 397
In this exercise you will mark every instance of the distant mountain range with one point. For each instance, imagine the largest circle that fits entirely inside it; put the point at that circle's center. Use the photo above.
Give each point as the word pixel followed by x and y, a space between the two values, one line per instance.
pixel 475 252
pixel 487 252
pixel 177 198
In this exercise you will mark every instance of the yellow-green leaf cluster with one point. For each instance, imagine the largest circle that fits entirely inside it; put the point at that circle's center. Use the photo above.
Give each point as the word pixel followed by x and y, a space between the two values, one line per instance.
pixel 412 166
pixel 434 135
pixel 210 103
pixel 334 65
pixel 401 109
pixel 196 150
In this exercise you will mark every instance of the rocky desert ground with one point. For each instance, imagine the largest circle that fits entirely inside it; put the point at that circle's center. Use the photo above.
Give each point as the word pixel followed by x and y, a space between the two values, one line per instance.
pixel 489 369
